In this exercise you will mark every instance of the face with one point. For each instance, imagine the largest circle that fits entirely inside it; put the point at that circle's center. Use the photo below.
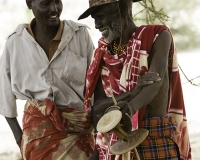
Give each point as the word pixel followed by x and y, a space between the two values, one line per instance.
pixel 108 22
pixel 46 12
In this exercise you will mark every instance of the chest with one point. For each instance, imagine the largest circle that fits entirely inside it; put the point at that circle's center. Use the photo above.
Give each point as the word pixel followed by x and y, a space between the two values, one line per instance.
pixel 44 44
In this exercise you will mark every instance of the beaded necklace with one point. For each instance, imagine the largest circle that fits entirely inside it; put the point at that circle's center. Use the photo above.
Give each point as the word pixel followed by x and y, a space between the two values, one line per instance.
pixel 117 47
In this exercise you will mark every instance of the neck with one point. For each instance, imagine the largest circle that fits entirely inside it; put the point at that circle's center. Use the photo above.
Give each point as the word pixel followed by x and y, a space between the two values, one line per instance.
pixel 120 44
pixel 127 32
pixel 45 31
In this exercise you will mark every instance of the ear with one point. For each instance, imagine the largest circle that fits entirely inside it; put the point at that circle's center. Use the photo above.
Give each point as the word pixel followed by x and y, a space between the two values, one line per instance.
pixel 28 3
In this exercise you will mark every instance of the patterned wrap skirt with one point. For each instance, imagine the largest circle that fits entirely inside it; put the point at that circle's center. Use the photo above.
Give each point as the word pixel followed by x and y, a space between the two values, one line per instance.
pixel 50 133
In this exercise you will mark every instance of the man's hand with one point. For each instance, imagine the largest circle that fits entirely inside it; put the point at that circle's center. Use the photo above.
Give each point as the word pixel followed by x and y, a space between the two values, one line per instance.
pixel 102 103
pixel 144 80
pixel 124 107
pixel 16 129
pixel 148 78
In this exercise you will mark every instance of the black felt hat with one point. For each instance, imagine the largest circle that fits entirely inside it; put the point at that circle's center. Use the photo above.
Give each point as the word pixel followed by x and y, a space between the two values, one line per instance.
pixel 93 4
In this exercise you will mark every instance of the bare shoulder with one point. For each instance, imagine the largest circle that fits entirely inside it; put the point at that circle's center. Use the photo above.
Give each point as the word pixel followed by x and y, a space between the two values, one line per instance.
pixel 165 35
pixel 163 41
pixel 158 58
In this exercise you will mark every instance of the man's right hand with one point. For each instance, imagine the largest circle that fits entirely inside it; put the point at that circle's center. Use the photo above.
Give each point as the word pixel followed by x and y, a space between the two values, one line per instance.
pixel 148 79
pixel 16 129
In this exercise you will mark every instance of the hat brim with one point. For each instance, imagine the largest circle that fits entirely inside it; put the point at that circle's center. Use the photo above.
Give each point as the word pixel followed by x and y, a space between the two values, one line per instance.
pixel 90 10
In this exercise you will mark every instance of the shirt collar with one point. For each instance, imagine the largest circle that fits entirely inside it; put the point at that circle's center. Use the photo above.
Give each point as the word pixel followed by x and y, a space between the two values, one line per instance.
pixel 58 35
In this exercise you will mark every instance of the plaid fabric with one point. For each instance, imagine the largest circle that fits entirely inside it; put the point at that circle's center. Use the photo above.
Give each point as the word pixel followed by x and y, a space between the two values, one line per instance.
pixel 161 143
pixel 52 134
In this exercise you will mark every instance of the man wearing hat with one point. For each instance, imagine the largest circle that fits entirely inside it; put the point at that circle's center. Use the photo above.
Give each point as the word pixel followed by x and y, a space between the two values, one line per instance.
pixel 126 53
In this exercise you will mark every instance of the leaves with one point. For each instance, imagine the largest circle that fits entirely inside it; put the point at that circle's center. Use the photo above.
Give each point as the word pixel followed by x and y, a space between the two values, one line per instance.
pixel 151 14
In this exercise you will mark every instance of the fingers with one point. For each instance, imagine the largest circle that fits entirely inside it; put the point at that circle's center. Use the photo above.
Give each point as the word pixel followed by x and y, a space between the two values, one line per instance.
pixel 125 107
pixel 150 76
pixel 147 82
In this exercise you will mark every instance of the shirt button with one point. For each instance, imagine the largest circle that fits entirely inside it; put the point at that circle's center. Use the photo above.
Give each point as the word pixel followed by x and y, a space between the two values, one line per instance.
pixel 78 57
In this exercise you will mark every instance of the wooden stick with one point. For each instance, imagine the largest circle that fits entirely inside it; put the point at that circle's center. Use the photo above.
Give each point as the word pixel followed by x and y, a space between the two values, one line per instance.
pixel 136 153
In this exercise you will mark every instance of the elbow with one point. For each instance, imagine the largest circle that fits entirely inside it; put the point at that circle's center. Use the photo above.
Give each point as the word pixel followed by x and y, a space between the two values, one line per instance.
pixel 152 91
pixel 157 87
pixel 159 84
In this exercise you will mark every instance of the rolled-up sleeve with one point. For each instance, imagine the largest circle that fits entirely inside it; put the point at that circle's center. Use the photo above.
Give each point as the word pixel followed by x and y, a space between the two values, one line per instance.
pixel 7 98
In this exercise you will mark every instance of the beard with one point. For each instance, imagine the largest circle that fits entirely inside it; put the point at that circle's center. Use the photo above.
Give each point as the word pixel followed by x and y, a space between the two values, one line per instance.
pixel 114 31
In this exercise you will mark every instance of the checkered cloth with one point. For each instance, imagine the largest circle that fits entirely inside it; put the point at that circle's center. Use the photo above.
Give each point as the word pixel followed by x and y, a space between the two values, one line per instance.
pixel 161 143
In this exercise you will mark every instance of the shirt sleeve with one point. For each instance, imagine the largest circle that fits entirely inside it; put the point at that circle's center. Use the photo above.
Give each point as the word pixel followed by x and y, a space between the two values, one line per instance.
pixel 90 47
pixel 90 53
pixel 7 98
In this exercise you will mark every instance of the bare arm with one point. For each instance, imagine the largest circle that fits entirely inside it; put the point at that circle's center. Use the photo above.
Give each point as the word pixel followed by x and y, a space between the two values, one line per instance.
pixel 102 102
pixel 16 129
pixel 158 64
pixel 145 89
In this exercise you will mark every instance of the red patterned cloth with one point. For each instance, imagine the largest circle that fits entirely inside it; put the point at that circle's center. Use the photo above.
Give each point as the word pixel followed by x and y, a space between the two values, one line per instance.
pixel 49 133
pixel 120 73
